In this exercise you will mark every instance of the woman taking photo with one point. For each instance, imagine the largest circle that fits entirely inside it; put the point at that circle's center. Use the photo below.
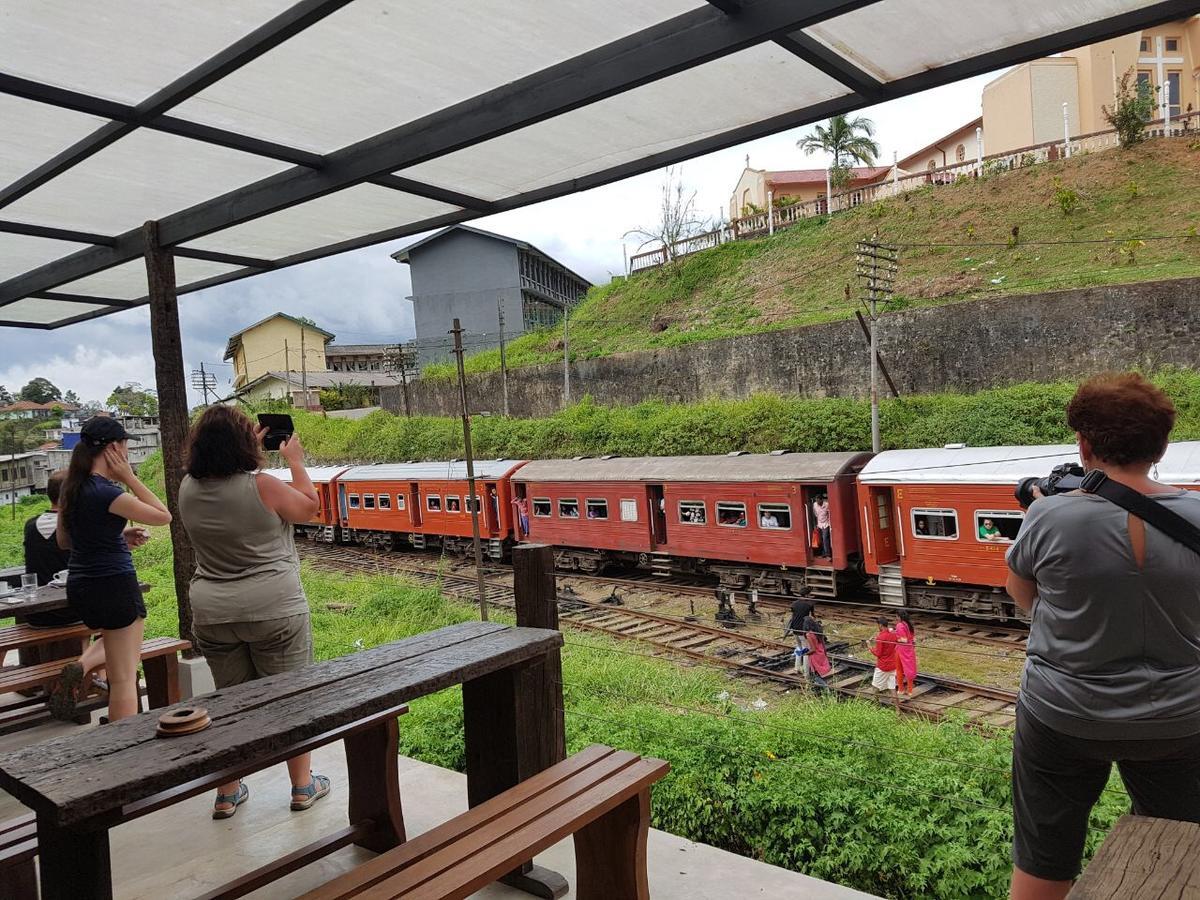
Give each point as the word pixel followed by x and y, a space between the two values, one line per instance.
pixel 906 653
pixel 102 587
pixel 251 615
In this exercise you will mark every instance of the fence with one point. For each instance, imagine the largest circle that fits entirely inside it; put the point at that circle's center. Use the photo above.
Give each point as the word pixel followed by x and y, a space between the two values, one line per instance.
pixel 784 215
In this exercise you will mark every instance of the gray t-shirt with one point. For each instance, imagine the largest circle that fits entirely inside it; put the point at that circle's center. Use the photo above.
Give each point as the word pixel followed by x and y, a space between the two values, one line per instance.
pixel 1114 650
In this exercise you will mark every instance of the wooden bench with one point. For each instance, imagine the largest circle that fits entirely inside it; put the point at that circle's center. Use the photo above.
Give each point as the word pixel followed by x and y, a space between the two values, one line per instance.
pixel 600 795
pixel 19 637
pixel 1144 859
pixel 159 660
pixel 18 847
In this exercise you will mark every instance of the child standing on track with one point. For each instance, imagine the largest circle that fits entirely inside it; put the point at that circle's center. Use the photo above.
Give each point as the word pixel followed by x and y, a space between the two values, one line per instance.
pixel 906 653
pixel 884 652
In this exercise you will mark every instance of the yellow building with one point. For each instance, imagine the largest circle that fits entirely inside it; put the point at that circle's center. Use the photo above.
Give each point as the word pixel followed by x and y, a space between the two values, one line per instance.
pixel 956 147
pixel 274 345
pixel 798 185
pixel 1024 106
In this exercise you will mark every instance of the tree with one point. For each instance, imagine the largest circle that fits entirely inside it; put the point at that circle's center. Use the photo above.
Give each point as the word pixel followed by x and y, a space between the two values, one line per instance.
pixel 5 397
pixel 40 390
pixel 677 217
pixel 1134 107
pixel 132 400
pixel 848 141
pixel 71 397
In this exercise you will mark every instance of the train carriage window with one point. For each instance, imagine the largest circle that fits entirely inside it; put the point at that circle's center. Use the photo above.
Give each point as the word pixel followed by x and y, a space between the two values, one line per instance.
pixel 473 504
pixel 453 504
pixel 731 515
pixel 935 524
pixel 354 501
pixel 692 512
pixel 400 501
pixel 774 515
pixel 629 511
pixel 882 511
pixel 385 501
pixel 368 501
pixel 433 503
pixel 568 509
pixel 597 509
pixel 541 507
pixel 997 526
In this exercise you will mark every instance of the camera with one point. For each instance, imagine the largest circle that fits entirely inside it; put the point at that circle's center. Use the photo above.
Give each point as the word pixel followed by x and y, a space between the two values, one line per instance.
pixel 1062 478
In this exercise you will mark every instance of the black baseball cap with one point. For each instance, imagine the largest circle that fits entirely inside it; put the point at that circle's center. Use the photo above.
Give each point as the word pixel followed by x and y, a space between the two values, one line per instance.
pixel 101 430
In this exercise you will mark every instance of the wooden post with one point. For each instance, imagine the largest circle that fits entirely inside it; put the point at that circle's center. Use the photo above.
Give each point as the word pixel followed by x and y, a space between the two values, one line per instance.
pixel 513 718
pixel 172 409
pixel 541 684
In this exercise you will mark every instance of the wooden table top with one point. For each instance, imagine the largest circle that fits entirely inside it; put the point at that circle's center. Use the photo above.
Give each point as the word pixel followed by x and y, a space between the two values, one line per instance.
pixel 92 773
pixel 1144 859
pixel 48 598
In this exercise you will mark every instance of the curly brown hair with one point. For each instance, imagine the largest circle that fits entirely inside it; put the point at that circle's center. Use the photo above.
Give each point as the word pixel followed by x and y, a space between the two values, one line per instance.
pixel 222 443
pixel 1124 417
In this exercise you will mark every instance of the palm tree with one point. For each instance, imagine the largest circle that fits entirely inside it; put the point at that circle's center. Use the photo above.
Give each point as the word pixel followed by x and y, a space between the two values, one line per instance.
pixel 848 141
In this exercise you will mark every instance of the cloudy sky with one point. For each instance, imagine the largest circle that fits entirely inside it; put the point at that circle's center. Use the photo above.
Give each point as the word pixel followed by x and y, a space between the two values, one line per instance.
pixel 359 296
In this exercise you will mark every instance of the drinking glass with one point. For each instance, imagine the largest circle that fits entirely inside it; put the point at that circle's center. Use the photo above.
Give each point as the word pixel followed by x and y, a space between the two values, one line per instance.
pixel 29 584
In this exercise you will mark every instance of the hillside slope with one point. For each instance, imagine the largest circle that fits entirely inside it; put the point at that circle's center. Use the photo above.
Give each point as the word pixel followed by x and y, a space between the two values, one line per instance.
pixel 1111 217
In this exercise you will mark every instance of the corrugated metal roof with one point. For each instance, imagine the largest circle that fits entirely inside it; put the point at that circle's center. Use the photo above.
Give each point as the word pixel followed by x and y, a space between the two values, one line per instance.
pixel 318 474
pixel 418 471
pixel 1007 465
pixel 748 467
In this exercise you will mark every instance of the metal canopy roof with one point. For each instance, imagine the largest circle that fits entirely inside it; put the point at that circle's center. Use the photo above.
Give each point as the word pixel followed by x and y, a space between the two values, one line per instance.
pixel 267 133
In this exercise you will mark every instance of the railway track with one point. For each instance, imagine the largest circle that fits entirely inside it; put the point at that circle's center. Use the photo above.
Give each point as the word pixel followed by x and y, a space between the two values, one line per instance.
pixel 763 661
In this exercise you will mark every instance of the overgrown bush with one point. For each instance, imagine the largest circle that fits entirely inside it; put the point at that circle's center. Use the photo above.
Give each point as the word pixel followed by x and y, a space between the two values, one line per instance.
pixel 1131 110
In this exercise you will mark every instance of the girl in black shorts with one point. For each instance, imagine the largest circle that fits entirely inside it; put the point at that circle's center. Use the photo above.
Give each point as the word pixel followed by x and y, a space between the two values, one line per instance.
pixel 102 587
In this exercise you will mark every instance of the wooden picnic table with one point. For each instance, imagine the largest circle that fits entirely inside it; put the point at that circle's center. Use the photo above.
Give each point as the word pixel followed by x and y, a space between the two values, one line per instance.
pixel 49 598
pixel 1144 859
pixel 82 785
pixel 12 575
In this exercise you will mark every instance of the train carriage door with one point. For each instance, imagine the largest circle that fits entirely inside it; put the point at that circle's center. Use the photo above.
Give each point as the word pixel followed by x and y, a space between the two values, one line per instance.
pixel 344 512
pixel 658 514
pixel 882 525
pixel 414 504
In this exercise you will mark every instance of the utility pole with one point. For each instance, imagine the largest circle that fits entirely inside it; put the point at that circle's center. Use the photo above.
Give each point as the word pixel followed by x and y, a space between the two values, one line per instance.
pixel 503 361
pixel 12 467
pixel 877 265
pixel 473 499
pixel 566 362
pixel 287 368
pixel 303 371
pixel 204 381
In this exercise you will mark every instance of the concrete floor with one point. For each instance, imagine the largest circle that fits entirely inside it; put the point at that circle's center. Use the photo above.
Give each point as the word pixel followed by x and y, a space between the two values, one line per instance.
pixel 181 852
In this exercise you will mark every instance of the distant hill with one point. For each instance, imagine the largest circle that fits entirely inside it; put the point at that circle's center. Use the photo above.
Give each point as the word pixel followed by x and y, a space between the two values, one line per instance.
pixel 1105 218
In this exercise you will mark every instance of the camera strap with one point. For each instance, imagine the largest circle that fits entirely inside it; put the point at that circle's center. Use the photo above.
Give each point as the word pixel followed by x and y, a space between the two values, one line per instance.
pixel 1149 511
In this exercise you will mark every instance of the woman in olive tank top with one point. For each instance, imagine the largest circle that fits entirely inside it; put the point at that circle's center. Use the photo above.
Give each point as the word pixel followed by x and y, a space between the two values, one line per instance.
pixel 250 613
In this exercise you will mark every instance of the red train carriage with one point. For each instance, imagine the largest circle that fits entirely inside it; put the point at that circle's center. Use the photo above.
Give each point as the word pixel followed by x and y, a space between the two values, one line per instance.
pixel 746 518
pixel 323 526
pixel 936 523
pixel 427 505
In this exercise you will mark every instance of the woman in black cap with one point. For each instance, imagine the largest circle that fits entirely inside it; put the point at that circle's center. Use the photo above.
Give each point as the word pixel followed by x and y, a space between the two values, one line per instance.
pixel 102 586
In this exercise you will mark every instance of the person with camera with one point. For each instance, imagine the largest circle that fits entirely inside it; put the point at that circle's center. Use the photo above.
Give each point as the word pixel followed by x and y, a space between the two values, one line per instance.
pixel 251 614
pixel 1113 661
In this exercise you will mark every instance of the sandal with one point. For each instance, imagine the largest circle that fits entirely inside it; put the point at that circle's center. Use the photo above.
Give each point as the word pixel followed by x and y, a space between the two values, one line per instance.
pixel 64 696
pixel 312 792
pixel 242 795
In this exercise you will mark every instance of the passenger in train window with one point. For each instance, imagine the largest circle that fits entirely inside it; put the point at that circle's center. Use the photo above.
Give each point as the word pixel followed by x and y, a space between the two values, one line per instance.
pixel 768 520
pixel 989 532
pixel 522 505
pixel 1113 660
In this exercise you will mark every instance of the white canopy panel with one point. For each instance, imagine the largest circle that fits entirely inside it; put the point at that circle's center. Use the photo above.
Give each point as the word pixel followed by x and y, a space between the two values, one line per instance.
pixel 266 133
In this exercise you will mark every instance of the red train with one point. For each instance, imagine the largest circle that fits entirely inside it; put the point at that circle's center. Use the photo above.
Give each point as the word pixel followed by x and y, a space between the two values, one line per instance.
pixel 924 528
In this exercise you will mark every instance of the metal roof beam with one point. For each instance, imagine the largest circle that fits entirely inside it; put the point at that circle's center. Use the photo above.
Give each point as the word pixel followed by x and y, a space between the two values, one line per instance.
pixel 84 298
pixel 833 64
pixel 56 234
pixel 259 41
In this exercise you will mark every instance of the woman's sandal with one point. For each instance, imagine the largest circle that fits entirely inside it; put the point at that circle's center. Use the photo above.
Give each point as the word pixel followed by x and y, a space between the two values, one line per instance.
pixel 312 792
pixel 64 696
pixel 242 795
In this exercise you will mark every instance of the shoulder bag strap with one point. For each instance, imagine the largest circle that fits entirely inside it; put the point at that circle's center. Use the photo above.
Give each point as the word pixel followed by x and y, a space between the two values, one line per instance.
pixel 1149 511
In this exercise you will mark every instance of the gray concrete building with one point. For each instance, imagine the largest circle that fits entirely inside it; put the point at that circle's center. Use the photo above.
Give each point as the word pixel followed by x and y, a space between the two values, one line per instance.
pixel 470 274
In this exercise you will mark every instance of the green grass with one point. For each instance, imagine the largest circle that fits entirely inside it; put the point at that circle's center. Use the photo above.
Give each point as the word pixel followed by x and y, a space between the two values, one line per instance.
pixel 842 791
pixel 798 276
pixel 1020 414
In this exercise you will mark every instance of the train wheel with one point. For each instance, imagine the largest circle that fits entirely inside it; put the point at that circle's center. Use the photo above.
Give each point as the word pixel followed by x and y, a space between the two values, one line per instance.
pixel 387 542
